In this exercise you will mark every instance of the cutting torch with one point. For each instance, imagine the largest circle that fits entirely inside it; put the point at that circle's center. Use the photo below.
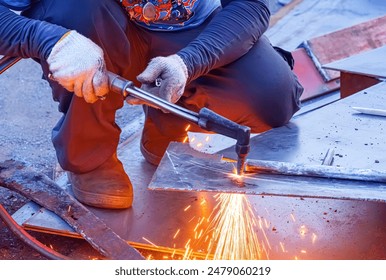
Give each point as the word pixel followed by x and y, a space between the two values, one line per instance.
pixel 205 118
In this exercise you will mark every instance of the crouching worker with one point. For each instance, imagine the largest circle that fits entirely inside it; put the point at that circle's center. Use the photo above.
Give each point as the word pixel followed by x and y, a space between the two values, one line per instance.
pixel 208 54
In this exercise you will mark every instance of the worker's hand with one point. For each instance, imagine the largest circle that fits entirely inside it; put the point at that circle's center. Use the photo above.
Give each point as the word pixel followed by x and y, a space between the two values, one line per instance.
pixel 77 64
pixel 165 77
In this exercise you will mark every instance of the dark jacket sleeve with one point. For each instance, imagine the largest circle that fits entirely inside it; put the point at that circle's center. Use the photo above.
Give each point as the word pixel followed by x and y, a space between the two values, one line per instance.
pixel 231 33
pixel 27 38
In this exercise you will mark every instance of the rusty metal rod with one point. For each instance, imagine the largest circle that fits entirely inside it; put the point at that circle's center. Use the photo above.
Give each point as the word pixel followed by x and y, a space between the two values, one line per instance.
pixel 321 171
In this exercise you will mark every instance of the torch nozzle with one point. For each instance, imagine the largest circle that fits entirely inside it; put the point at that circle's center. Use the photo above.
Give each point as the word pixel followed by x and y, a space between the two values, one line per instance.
pixel 240 165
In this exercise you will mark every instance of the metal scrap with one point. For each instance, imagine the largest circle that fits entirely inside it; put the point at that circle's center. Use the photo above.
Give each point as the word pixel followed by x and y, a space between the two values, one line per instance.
pixel 42 190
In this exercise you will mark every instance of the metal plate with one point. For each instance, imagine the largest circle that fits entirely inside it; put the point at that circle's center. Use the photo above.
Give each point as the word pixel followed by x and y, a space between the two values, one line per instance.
pixel 314 19
pixel 359 140
pixel 366 63
pixel 309 76
pixel 36 218
pixel 188 170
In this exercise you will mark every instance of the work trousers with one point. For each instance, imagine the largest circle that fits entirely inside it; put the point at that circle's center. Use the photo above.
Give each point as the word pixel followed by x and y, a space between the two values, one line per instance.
pixel 258 90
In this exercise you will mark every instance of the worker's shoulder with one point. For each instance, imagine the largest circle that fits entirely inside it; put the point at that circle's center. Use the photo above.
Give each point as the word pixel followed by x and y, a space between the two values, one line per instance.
pixel 17 5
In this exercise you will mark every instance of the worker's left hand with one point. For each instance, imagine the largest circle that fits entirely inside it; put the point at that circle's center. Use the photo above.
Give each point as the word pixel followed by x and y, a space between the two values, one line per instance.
pixel 170 72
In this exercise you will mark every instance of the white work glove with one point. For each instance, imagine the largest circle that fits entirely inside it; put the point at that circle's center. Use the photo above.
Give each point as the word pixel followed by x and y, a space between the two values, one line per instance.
pixel 77 64
pixel 170 72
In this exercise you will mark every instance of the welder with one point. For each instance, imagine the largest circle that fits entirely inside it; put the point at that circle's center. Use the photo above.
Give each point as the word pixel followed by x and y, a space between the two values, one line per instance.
pixel 206 53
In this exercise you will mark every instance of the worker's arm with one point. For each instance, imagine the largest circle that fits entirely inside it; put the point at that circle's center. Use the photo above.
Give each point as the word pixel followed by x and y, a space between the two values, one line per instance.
pixel 27 38
pixel 74 61
pixel 231 33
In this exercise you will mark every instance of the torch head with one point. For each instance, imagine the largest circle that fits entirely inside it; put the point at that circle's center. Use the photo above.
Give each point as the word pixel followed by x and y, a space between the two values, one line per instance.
pixel 212 121
pixel 242 147
pixel 242 152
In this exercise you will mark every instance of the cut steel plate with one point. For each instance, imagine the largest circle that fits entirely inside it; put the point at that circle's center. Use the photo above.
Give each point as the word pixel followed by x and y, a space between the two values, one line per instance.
pixel 184 169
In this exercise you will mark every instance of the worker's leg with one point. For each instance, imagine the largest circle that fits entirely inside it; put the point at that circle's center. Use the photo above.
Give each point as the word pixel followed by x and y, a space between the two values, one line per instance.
pixel 87 136
pixel 258 90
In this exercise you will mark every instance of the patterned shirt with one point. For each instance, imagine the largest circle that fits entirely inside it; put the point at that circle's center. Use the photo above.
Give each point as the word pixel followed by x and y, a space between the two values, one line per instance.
pixel 169 15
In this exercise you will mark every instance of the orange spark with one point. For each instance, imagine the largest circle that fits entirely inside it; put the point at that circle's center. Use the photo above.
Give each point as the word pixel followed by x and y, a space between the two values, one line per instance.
pixel 148 241
pixel 260 223
pixel 282 247
pixel 234 236
pixel 200 234
pixel 175 235
pixel 235 176
pixel 266 239
pixel 187 208
pixel 191 219
pixel 313 238
pixel 266 223
pixel 303 230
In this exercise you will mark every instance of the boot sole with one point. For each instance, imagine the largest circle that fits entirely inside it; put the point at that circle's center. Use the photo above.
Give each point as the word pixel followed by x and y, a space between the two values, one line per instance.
pixel 103 200
pixel 151 158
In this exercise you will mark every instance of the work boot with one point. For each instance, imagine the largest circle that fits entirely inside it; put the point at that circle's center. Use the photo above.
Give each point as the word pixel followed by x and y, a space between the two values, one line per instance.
pixel 154 143
pixel 107 186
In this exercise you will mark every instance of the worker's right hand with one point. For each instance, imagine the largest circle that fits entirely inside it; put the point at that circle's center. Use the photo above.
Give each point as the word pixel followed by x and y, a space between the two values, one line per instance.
pixel 77 64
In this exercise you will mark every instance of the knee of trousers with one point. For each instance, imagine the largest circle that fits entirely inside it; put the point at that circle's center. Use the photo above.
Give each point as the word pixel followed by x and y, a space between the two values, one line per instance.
pixel 277 102
pixel 258 90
